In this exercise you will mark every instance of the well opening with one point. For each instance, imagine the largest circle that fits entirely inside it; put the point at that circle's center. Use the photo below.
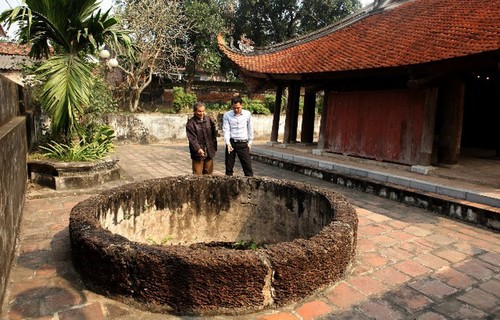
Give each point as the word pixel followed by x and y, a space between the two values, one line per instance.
pixel 169 244
pixel 221 211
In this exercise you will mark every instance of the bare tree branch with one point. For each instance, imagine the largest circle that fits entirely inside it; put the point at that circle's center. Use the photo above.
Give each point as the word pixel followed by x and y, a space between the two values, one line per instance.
pixel 158 29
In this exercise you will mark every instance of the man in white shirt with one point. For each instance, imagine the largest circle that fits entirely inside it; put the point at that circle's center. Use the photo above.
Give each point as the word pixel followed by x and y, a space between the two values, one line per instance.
pixel 238 136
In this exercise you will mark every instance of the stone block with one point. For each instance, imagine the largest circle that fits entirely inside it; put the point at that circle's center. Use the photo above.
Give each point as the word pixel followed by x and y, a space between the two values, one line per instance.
pixel 73 175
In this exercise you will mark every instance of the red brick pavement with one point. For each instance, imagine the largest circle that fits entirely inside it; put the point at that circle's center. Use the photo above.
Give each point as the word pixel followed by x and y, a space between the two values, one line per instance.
pixel 410 264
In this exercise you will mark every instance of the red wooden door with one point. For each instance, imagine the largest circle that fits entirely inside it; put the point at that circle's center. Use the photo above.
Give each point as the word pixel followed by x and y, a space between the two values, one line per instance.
pixel 381 125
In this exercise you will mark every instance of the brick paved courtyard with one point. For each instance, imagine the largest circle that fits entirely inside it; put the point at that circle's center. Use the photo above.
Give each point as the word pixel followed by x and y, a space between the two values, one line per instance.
pixel 410 263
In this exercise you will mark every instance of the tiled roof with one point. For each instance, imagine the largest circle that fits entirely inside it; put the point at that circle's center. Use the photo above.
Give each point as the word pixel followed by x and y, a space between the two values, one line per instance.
pixel 11 48
pixel 12 62
pixel 13 55
pixel 413 32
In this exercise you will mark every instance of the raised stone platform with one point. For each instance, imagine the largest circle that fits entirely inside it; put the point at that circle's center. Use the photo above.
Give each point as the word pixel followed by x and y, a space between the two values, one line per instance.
pixel 466 205
pixel 73 175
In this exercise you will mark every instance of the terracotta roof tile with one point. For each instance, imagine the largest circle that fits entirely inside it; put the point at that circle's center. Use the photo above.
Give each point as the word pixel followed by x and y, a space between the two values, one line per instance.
pixel 414 32
pixel 11 48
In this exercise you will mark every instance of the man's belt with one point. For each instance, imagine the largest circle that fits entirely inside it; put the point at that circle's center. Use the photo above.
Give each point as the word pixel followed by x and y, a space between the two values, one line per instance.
pixel 238 141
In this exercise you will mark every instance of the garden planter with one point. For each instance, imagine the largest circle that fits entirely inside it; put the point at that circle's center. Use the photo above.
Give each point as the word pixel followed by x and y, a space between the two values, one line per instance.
pixel 73 175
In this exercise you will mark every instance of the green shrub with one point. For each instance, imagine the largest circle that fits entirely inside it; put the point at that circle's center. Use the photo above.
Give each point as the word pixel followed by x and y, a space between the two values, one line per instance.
pixel 211 106
pixel 270 101
pixel 255 106
pixel 319 104
pixel 89 148
pixel 246 245
pixel 182 100
pixel 258 109
pixel 163 241
pixel 101 99
pixel 166 111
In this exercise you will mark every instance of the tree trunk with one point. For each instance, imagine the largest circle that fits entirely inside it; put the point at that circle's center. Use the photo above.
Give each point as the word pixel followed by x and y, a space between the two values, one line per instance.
pixel 189 83
pixel 134 100
pixel 190 73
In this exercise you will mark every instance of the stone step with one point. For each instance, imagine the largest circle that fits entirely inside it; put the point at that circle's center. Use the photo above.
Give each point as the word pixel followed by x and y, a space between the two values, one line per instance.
pixel 463 204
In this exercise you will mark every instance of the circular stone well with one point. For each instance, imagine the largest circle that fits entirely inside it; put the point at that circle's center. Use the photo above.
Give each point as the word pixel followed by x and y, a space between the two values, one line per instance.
pixel 212 244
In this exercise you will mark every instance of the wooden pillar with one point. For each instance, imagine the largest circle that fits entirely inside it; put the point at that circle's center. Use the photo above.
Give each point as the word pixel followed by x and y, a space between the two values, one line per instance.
pixel 307 133
pixel 288 117
pixel 276 115
pixel 452 97
pixel 295 114
pixel 427 140
pixel 322 126
pixel 292 113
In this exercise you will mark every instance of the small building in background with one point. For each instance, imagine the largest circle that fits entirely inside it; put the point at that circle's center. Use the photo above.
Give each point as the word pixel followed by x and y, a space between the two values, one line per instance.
pixel 12 57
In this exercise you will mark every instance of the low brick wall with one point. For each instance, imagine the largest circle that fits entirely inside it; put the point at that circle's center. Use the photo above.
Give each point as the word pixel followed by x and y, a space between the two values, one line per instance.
pixel 13 175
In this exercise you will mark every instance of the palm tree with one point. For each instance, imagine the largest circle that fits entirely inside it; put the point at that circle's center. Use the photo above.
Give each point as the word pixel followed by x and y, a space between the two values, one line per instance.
pixel 65 32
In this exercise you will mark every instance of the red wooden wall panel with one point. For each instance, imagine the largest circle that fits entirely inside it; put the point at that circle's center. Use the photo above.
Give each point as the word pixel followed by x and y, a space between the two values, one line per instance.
pixel 381 125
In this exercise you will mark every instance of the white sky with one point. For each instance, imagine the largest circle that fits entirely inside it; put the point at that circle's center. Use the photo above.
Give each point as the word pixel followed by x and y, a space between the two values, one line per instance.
pixel 365 2
pixel 6 4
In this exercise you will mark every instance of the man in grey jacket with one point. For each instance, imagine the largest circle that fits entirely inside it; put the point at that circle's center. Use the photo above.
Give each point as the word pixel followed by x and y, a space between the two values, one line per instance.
pixel 202 136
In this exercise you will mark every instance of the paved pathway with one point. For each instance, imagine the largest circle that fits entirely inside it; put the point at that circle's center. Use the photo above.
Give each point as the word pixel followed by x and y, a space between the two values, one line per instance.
pixel 410 263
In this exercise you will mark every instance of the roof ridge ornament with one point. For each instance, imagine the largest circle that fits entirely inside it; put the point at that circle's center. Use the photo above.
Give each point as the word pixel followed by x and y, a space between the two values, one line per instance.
pixel 231 43
pixel 382 4
pixel 245 44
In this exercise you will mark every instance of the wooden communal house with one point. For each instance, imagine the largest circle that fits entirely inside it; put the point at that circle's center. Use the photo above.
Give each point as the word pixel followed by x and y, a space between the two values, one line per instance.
pixel 404 81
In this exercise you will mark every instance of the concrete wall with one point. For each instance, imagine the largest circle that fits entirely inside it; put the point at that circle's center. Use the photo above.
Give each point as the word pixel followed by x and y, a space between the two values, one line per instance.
pixel 157 127
pixel 13 175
